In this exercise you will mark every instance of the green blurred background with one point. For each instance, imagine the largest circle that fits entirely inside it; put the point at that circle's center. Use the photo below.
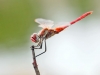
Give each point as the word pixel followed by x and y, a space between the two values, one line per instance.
pixel 17 24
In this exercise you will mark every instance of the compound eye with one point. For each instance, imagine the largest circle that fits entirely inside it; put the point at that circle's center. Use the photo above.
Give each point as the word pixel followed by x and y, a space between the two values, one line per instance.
pixel 35 38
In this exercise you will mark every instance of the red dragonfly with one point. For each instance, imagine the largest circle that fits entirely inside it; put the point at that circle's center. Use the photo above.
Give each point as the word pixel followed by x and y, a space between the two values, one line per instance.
pixel 47 30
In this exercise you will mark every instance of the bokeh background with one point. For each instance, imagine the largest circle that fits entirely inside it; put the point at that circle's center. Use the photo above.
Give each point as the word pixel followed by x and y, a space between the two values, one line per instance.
pixel 75 51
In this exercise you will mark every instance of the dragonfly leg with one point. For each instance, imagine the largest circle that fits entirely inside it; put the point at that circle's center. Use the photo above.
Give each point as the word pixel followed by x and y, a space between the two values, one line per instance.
pixel 41 40
pixel 39 44
pixel 44 51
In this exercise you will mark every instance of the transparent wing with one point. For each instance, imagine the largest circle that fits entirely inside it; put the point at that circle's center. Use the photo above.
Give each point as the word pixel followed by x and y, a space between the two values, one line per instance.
pixel 63 23
pixel 44 23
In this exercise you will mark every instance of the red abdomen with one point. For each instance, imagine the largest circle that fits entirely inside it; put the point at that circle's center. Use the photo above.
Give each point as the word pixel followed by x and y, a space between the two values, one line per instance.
pixel 60 28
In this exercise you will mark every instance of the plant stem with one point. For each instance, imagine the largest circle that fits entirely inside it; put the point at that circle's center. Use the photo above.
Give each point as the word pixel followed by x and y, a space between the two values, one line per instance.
pixel 35 62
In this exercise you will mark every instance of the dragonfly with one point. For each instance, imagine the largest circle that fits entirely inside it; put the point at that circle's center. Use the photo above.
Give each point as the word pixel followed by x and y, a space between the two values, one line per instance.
pixel 48 31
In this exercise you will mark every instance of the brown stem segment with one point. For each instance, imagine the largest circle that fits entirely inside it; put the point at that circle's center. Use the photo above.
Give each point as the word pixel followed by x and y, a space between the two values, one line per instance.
pixel 35 62
pixel 81 17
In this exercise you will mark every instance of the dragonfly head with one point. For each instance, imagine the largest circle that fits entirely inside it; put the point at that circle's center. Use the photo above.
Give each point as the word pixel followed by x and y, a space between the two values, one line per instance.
pixel 35 37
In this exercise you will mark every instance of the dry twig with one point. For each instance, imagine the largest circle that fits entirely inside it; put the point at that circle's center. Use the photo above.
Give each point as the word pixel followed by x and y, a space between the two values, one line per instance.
pixel 35 62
